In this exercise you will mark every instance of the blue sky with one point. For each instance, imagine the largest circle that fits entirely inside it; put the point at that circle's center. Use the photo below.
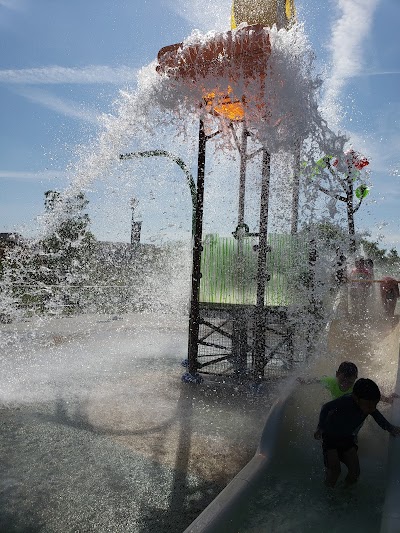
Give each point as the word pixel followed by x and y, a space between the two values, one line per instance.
pixel 63 64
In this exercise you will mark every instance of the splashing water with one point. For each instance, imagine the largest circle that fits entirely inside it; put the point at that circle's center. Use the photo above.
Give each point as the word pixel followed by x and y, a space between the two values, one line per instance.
pixel 160 102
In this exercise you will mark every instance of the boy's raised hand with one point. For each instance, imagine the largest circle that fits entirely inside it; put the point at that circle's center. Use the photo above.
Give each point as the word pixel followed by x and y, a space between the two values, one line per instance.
pixel 395 431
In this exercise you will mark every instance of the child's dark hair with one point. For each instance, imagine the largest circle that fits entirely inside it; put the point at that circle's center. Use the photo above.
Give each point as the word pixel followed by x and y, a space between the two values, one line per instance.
pixel 366 389
pixel 348 369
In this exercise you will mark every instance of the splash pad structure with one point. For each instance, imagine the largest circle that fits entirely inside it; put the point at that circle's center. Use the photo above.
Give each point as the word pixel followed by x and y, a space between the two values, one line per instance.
pixel 237 89
pixel 107 418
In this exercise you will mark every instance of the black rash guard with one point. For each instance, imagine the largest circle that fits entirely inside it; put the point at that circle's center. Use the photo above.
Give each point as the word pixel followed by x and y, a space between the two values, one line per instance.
pixel 342 417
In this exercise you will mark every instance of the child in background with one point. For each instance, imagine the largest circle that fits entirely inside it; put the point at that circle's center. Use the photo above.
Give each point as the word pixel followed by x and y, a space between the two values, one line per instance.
pixel 360 288
pixel 369 265
pixel 339 422
pixel 360 271
pixel 343 382
pixel 389 289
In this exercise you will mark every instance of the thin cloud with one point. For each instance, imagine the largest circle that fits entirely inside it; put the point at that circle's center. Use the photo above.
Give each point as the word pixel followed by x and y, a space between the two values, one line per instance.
pixel 15 5
pixel 22 175
pixel 64 107
pixel 57 75
pixel 378 73
pixel 348 34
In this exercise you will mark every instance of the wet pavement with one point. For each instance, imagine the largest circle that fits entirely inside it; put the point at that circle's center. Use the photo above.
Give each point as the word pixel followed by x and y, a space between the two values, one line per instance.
pixel 98 433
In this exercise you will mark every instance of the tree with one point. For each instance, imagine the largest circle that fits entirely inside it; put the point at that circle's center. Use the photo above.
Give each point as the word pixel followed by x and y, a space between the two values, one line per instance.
pixel 393 257
pixel 372 250
pixel 381 256
pixel 328 234
pixel 46 274
pixel 343 181
pixel 62 257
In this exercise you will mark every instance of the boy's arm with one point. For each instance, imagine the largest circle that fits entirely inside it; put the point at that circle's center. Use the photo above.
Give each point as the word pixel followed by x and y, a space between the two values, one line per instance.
pixel 390 398
pixel 384 424
pixel 308 381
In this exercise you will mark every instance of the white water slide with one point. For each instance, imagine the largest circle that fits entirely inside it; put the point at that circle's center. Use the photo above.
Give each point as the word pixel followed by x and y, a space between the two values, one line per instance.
pixel 281 489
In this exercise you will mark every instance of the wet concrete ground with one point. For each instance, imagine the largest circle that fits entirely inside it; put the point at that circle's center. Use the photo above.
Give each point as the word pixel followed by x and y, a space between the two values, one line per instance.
pixel 98 433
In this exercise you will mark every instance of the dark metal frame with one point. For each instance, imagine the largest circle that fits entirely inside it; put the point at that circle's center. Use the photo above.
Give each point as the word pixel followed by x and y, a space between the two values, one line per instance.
pixel 239 328
pixel 240 346
pixel 240 316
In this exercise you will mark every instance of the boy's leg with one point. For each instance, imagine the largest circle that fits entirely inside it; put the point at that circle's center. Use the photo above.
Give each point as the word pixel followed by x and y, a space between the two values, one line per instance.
pixel 350 459
pixel 332 466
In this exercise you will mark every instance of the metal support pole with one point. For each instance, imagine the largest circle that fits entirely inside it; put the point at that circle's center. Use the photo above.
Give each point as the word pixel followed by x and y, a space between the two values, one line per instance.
pixel 281 14
pixel 194 317
pixel 241 203
pixel 179 162
pixel 312 262
pixel 239 342
pixel 350 211
pixel 313 302
pixel 259 335
pixel 242 176
pixel 296 191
